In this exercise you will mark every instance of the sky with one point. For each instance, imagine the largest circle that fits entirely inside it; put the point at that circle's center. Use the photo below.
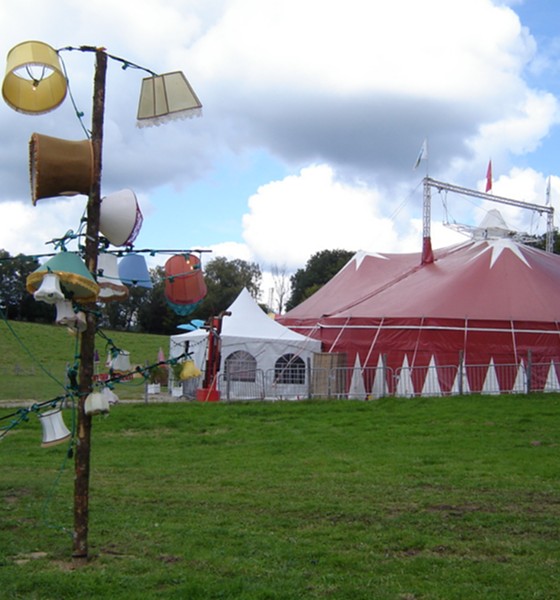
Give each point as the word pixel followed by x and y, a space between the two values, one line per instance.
pixel 314 113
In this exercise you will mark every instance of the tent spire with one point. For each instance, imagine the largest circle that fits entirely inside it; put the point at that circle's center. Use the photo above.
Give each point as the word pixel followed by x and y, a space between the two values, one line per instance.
pixel 427 253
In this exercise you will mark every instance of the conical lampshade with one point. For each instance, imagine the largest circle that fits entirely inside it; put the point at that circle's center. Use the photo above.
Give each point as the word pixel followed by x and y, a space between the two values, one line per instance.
pixel 111 288
pixel 59 167
pixel 54 430
pixel 120 218
pixel 75 280
pixel 166 97
pixel 133 270
pixel 34 82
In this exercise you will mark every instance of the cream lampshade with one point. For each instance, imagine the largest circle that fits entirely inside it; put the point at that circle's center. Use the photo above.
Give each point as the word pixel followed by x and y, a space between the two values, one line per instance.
pixel 34 82
pixel 166 97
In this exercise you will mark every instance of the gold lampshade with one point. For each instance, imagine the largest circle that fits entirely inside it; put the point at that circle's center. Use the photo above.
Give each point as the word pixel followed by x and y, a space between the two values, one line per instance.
pixel 59 167
pixel 166 97
pixel 34 82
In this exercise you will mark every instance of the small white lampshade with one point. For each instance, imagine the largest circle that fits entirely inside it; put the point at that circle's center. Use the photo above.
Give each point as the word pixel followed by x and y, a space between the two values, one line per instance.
pixel 120 218
pixel 110 396
pixel 133 270
pixel 49 291
pixel 54 429
pixel 121 362
pixel 111 288
pixel 34 82
pixel 166 97
pixel 67 316
pixel 96 403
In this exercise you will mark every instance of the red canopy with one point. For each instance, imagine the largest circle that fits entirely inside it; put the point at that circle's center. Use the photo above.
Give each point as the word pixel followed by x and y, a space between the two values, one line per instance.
pixel 478 302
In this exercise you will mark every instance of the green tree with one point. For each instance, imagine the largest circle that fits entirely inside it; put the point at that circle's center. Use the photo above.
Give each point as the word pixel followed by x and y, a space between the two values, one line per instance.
pixel 225 279
pixel 319 269
pixel 17 303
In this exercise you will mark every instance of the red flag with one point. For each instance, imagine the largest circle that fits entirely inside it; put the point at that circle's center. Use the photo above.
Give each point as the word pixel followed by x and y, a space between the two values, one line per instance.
pixel 489 176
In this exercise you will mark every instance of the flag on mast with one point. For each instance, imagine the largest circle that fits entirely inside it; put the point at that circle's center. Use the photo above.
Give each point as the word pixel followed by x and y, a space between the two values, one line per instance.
pixel 423 154
pixel 489 177
pixel 548 191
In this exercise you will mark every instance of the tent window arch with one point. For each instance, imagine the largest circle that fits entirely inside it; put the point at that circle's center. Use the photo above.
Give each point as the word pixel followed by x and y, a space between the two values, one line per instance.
pixel 240 366
pixel 289 368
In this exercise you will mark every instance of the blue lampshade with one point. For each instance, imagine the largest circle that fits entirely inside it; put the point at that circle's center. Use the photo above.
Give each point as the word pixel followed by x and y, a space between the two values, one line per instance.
pixel 133 270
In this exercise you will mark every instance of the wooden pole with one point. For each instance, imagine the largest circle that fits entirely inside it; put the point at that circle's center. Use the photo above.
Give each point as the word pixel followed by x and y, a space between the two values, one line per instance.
pixel 87 342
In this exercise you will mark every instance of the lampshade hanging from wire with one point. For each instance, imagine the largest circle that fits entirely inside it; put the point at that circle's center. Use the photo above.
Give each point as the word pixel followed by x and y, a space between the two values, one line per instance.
pixel 76 281
pixel 133 270
pixel 165 98
pixel 59 167
pixel 111 288
pixel 185 287
pixel 54 429
pixel 34 82
pixel 120 218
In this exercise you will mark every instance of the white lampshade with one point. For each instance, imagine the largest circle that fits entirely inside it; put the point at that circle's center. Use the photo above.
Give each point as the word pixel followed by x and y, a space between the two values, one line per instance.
pixel 49 291
pixel 121 362
pixel 120 218
pixel 96 403
pixel 54 429
pixel 166 97
pixel 34 81
pixel 111 288
pixel 67 316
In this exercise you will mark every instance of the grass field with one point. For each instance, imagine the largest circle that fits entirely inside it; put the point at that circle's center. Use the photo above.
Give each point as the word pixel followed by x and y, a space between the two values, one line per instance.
pixel 35 358
pixel 392 499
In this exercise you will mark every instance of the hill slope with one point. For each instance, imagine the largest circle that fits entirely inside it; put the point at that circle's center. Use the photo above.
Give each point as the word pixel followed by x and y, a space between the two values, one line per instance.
pixel 35 358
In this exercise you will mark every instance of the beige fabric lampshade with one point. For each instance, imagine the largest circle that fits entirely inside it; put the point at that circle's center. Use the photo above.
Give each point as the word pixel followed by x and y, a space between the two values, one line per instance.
pixel 34 82
pixel 166 97
pixel 59 167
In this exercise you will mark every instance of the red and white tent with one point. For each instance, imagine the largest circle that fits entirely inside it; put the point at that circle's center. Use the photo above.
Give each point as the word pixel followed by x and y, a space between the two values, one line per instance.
pixel 483 303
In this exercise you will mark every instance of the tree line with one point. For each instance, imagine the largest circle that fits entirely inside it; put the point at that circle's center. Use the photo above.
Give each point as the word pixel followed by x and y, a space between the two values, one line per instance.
pixel 147 310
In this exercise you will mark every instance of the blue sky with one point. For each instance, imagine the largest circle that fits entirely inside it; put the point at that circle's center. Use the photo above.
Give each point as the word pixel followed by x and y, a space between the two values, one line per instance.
pixel 313 114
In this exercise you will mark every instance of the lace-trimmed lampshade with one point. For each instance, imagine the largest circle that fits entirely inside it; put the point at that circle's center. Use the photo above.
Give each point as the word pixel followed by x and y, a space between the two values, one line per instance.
pixel 111 288
pixel 75 280
pixel 185 287
pixel 34 82
pixel 59 167
pixel 166 97
pixel 120 218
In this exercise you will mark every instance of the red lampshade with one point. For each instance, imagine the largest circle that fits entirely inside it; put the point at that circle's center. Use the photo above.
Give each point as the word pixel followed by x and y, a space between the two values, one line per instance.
pixel 184 283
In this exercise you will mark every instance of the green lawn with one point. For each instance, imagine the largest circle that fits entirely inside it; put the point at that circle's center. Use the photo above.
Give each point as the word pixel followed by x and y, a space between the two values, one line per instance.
pixel 453 498
pixel 36 358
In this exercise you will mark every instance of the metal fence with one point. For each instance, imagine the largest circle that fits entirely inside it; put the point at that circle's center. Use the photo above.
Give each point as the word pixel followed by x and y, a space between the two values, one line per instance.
pixel 376 382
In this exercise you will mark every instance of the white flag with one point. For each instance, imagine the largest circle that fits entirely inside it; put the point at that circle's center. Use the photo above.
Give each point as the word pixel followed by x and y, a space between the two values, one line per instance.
pixel 423 154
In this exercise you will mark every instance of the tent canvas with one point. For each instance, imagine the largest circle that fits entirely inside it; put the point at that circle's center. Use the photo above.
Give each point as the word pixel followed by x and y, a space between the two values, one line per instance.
pixel 259 356
pixel 486 302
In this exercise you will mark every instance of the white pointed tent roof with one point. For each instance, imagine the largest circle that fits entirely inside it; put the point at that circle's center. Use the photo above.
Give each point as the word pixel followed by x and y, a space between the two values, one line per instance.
pixel 248 320
pixel 250 329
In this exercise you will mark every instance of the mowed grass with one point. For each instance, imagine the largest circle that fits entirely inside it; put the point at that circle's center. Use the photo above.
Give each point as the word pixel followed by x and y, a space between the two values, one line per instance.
pixel 36 358
pixel 453 498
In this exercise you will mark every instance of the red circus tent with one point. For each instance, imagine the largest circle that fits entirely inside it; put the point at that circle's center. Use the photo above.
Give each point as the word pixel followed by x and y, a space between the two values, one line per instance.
pixel 484 303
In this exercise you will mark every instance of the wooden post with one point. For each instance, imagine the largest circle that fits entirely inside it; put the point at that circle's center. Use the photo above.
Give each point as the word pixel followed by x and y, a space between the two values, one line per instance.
pixel 87 342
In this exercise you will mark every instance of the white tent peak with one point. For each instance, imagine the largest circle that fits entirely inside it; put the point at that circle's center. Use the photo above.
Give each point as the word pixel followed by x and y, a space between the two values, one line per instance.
pixel 249 320
pixel 492 226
